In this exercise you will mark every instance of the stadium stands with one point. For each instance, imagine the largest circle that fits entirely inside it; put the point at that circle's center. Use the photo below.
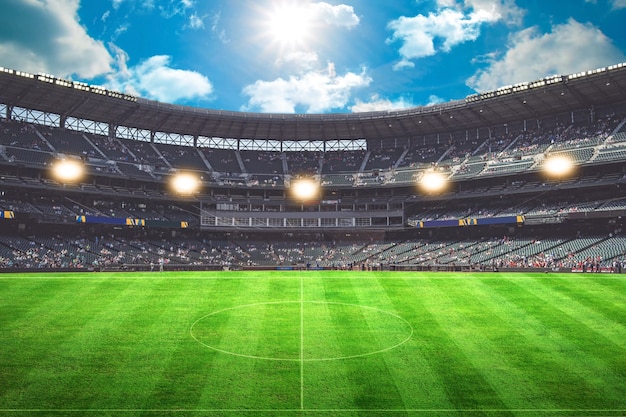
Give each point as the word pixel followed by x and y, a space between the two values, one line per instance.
pixel 499 210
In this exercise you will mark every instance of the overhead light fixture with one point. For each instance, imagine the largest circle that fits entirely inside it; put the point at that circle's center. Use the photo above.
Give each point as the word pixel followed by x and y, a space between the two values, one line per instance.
pixel 68 171
pixel 433 182
pixel 184 183
pixel 558 166
pixel 304 189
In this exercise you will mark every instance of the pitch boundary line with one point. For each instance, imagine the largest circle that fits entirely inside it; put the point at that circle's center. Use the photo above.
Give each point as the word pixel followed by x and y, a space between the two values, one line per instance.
pixel 310 410
pixel 403 275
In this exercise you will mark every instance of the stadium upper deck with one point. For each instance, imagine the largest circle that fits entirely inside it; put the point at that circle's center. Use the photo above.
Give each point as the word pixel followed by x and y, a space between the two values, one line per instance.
pixel 489 145
pixel 123 115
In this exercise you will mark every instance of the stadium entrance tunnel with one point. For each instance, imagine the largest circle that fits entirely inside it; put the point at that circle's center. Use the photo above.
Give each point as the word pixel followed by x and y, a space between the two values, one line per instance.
pixel 301 331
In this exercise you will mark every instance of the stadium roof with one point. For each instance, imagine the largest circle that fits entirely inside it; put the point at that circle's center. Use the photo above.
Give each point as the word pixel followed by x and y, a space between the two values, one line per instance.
pixel 526 101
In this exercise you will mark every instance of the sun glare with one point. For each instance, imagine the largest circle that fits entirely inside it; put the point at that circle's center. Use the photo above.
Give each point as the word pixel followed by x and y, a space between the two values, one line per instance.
pixel 289 23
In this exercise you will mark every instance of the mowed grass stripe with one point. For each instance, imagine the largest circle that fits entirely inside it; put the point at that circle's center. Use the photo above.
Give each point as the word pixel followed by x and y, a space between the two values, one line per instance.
pixel 529 374
pixel 66 334
pixel 372 384
pixel 597 340
pixel 12 293
pixel 399 363
pixel 183 377
pixel 327 384
pixel 345 391
pixel 120 364
pixel 601 293
pixel 589 321
pixel 552 354
pixel 276 382
pixel 418 379
pixel 28 308
pixel 167 331
pixel 127 345
pixel 453 350
pixel 232 333
pixel 477 330
pixel 377 382
pixel 238 380
pixel 223 373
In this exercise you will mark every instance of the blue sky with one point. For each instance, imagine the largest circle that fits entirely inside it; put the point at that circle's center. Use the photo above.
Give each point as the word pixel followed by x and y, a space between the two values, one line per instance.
pixel 300 56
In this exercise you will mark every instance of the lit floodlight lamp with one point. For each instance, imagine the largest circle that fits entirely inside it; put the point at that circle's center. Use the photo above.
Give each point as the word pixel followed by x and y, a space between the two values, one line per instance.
pixel 558 166
pixel 184 183
pixel 304 189
pixel 68 171
pixel 433 182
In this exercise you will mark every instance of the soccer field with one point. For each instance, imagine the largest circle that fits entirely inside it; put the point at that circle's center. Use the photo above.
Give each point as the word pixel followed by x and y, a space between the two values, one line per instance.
pixel 312 343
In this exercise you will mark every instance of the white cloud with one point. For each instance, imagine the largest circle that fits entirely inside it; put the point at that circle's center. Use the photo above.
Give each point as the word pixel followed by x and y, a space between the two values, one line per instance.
pixel 504 10
pixel 569 48
pixel 452 24
pixel 195 21
pixel 314 91
pixel 302 60
pixel 341 15
pixel 433 99
pixel 403 64
pixel 217 29
pixel 46 36
pixel 172 8
pixel 376 103
pixel 618 4
pixel 120 30
pixel 615 4
pixel 155 79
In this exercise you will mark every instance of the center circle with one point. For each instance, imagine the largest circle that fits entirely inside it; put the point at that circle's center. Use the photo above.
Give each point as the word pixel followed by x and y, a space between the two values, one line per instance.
pixel 301 331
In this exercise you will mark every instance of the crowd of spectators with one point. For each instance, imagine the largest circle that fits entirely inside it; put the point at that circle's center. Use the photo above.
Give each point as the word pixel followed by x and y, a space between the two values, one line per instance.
pixel 496 253
pixel 342 161
pixel 503 147
pixel 21 135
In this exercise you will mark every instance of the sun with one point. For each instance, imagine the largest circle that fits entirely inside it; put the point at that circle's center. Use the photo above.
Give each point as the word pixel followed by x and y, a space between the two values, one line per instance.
pixel 289 23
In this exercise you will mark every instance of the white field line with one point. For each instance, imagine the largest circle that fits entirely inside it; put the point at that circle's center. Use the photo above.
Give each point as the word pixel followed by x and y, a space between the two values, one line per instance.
pixel 301 342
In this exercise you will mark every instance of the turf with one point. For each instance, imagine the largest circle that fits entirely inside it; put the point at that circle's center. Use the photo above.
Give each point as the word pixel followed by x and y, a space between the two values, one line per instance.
pixel 313 343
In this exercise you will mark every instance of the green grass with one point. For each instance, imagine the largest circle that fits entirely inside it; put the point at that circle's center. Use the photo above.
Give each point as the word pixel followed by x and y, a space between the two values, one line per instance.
pixel 314 343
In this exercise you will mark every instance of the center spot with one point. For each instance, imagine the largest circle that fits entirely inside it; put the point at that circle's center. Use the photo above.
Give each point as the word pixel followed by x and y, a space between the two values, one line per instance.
pixel 307 331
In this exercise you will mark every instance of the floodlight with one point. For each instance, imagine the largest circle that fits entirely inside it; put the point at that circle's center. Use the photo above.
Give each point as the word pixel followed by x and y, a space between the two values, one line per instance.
pixel 433 182
pixel 304 189
pixel 184 183
pixel 68 171
pixel 558 166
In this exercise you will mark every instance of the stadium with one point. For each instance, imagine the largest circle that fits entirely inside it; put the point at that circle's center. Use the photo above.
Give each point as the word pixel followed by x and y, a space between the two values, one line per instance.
pixel 462 258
